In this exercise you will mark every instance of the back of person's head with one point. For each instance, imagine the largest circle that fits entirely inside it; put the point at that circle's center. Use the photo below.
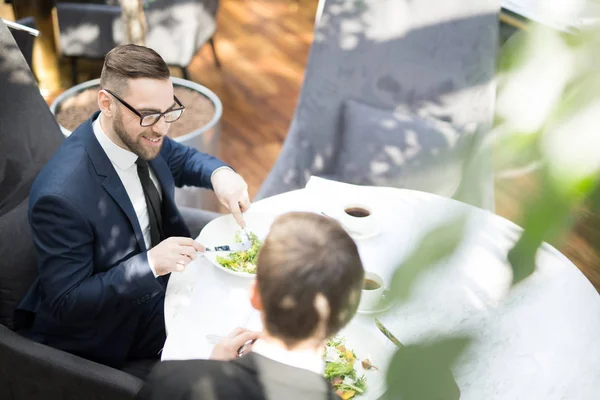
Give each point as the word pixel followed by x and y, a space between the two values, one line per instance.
pixel 309 278
pixel 130 61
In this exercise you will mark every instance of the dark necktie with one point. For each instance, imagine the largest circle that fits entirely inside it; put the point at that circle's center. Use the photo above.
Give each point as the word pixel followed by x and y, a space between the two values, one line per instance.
pixel 153 202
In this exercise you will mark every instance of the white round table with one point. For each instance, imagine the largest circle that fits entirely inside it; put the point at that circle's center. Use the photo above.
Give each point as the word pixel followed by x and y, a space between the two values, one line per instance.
pixel 537 340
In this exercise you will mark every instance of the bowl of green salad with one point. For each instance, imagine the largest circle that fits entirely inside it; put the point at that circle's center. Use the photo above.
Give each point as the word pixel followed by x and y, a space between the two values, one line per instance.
pixel 225 231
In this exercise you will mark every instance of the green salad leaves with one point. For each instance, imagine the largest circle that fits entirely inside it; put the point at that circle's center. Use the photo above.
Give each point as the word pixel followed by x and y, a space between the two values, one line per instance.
pixel 340 371
pixel 242 261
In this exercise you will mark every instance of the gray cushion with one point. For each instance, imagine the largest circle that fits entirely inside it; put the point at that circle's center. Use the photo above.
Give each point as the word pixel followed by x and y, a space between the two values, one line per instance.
pixel 400 148
pixel 18 267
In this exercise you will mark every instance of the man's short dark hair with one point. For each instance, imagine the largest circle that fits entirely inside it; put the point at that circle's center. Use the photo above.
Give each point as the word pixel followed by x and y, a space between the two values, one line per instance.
pixel 309 277
pixel 130 61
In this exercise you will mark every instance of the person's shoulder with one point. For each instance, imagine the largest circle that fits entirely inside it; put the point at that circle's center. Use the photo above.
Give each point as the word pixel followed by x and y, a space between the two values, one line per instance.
pixel 290 382
pixel 197 379
pixel 67 169
pixel 194 369
pixel 181 366
pixel 171 379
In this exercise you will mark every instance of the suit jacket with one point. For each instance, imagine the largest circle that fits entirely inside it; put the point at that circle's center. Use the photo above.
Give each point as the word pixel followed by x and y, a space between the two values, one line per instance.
pixel 252 377
pixel 94 278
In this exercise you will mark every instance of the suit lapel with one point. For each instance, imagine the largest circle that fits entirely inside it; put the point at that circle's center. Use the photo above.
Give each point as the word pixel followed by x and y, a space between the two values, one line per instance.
pixel 113 185
pixel 109 179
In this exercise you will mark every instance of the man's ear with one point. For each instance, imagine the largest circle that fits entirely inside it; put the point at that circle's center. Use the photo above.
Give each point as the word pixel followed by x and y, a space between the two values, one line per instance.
pixel 255 296
pixel 104 103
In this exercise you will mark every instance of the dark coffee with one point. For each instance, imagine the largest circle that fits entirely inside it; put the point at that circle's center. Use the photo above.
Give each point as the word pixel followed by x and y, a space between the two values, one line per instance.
pixel 370 284
pixel 357 212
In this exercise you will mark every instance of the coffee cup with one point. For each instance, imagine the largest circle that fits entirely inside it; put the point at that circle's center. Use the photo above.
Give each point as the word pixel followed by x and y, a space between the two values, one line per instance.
pixel 358 219
pixel 372 292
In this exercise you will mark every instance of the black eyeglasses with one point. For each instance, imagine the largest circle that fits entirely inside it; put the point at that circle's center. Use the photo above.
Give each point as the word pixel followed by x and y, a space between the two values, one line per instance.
pixel 149 119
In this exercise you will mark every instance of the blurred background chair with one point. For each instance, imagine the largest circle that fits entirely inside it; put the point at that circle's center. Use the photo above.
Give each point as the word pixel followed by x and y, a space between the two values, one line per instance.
pixel 395 93
pixel 30 135
pixel 177 29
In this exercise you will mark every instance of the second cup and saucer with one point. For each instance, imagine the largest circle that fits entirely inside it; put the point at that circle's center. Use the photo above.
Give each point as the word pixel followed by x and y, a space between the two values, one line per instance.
pixel 359 221
pixel 374 296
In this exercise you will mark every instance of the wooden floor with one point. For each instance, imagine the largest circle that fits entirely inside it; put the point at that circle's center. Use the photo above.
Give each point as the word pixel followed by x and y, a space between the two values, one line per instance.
pixel 263 46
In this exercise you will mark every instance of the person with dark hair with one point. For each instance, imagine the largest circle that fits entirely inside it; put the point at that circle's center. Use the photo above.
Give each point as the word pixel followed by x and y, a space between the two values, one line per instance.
pixel 104 220
pixel 308 284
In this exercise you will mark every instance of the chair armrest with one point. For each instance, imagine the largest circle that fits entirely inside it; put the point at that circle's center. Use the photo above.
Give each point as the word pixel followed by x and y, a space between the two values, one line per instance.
pixel 25 40
pixel 30 370
pixel 197 219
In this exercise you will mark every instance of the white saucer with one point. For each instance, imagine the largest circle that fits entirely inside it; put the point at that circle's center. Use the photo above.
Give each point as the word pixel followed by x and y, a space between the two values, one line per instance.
pixel 362 236
pixel 384 304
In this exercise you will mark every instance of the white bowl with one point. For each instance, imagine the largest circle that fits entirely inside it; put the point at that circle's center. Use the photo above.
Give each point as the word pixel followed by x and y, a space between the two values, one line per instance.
pixel 222 230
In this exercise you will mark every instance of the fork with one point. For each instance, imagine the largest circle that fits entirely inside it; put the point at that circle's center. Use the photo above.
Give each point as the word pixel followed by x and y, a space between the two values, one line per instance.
pixel 214 339
pixel 246 234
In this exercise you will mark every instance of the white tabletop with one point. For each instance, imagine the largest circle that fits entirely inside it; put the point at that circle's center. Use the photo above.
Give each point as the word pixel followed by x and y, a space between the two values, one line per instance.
pixel 537 340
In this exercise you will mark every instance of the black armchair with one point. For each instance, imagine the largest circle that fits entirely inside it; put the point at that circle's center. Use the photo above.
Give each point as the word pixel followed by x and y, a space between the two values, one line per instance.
pixel 29 135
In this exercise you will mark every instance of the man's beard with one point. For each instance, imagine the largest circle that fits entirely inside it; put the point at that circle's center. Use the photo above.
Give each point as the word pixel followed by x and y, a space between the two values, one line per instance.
pixel 135 145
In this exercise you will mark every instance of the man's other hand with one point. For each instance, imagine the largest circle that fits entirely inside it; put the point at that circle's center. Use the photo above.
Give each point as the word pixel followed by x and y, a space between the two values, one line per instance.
pixel 228 348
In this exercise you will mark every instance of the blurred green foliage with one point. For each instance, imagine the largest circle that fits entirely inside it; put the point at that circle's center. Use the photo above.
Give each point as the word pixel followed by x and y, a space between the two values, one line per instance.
pixel 548 108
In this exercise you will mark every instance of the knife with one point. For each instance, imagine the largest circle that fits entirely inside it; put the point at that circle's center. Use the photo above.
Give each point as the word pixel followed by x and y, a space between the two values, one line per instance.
pixel 453 391
pixel 246 245
pixel 388 334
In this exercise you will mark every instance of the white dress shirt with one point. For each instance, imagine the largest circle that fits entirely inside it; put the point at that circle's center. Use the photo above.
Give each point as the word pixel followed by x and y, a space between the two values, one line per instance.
pixel 123 162
pixel 307 360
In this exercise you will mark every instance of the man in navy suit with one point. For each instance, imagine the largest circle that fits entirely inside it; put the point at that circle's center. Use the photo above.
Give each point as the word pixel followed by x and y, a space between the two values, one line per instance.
pixel 104 221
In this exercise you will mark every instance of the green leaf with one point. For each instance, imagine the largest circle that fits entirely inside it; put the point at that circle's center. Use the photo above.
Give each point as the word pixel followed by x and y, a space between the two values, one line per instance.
pixel 513 52
pixel 421 371
pixel 437 245
pixel 546 218
pixel 340 369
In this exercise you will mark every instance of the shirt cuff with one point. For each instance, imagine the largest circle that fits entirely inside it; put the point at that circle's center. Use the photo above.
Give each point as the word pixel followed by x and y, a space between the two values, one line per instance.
pixel 218 169
pixel 152 269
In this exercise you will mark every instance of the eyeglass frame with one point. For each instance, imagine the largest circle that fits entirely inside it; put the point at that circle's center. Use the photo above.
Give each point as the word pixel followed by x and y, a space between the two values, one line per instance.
pixel 142 116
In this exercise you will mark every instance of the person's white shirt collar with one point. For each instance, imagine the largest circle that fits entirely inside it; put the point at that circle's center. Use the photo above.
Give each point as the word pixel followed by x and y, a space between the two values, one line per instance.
pixel 119 156
pixel 300 359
